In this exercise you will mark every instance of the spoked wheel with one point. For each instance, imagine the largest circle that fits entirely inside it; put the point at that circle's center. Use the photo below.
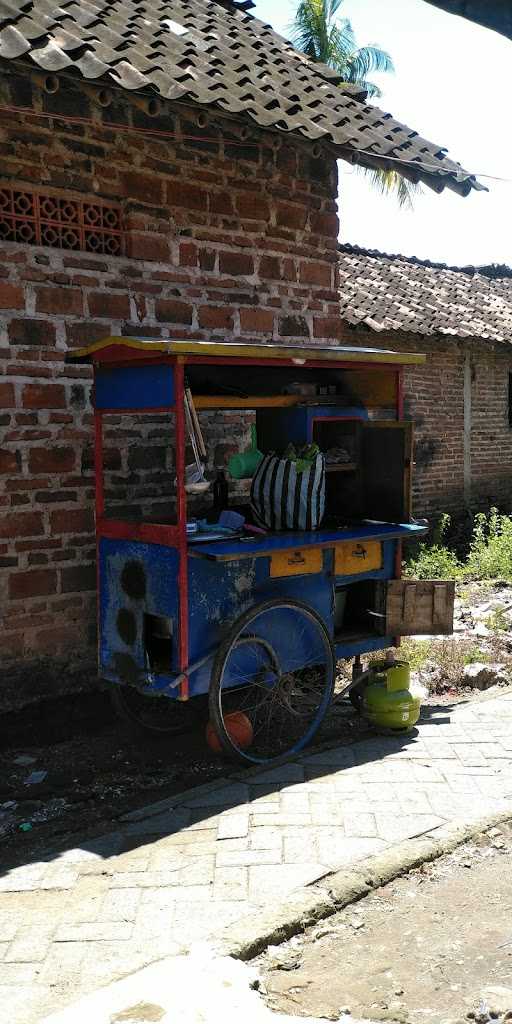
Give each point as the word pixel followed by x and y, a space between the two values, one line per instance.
pixel 159 715
pixel 273 676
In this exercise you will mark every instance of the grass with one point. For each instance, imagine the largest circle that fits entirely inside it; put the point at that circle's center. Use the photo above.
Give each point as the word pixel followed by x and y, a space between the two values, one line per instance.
pixel 489 556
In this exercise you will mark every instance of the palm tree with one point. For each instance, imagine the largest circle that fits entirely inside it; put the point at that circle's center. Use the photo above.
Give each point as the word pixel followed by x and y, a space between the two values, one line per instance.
pixel 318 33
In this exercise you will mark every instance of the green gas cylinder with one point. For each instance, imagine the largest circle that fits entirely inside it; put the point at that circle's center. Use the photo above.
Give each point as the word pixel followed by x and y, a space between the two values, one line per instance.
pixel 387 699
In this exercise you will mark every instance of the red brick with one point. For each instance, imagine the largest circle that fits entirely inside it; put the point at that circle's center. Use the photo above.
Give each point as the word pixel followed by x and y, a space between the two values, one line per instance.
pixel 75 520
pixel 83 334
pixel 170 311
pixel 253 207
pixel 59 300
pixel 7 398
pixel 216 316
pixel 109 304
pixel 328 327
pixel 21 524
pixel 315 273
pixel 37 583
pixel 146 187
pixel 10 462
pixel 32 332
pixel 11 296
pixel 51 460
pixel 257 320
pixel 221 203
pixel 44 396
pixel 292 216
pixel 145 246
pixel 78 578
pixel 188 197
pixel 188 255
pixel 236 264
pixel 326 224
pixel 270 268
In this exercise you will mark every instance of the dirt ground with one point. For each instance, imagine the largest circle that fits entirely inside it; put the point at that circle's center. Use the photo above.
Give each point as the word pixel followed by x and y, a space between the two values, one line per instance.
pixel 97 769
pixel 434 947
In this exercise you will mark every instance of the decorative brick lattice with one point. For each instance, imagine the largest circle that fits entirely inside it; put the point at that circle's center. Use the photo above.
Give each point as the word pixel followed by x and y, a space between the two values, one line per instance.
pixel 34 218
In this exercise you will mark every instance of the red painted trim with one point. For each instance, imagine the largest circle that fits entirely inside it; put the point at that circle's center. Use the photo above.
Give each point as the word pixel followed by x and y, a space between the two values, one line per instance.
pixel 315 364
pixel 149 533
pixel 181 501
pixel 100 509
pixel 98 463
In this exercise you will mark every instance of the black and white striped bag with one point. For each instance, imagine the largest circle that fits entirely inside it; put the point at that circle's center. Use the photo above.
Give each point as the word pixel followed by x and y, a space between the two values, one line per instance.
pixel 283 498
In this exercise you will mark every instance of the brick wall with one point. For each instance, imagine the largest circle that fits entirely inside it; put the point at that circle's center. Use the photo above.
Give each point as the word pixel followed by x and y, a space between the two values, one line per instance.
pixel 229 234
pixel 226 236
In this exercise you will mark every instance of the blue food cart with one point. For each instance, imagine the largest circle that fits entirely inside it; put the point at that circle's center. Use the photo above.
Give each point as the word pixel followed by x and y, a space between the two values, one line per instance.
pixel 255 621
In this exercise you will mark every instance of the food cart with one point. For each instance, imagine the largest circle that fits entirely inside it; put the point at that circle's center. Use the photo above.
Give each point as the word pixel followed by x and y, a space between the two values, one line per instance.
pixel 255 621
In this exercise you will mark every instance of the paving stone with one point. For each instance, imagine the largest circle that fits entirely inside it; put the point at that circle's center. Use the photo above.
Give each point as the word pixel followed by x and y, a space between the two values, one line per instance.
pixel 406 826
pixel 120 905
pixel 30 945
pixel 245 858
pixel 162 824
pixel 274 880
pixel 230 883
pixel 281 773
pixel 265 838
pixel 166 880
pixel 233 826
pixel 226 796
pixel 94 931
pixel 340 757
pixel 360 825
pixel 339 851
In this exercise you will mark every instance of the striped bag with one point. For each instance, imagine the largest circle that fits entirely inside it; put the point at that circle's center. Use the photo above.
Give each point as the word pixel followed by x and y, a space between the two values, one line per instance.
pixel 283 498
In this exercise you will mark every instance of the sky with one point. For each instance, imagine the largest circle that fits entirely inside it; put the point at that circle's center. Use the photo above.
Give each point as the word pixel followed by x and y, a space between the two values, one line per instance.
pixel 452 84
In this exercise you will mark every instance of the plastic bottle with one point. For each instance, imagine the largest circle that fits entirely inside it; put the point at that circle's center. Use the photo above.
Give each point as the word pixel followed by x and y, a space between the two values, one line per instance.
pixel 220 493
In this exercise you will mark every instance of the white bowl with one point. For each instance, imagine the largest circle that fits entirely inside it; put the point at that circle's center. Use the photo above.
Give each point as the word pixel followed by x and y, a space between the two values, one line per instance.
pixel 199 488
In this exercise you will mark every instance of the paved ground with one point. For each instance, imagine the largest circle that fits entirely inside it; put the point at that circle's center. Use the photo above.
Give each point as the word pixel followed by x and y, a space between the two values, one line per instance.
pixel 79 919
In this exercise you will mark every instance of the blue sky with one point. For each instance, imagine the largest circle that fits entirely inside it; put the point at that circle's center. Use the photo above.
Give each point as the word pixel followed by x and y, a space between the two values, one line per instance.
pixel 453 84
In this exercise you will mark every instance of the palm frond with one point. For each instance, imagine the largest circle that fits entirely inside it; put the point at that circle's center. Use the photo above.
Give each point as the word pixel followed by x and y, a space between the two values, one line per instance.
pixel 366 60
pixel 391 183
pixel 330 40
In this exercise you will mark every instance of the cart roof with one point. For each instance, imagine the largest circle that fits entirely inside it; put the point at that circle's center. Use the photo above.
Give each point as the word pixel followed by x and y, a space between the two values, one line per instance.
pixel 136 348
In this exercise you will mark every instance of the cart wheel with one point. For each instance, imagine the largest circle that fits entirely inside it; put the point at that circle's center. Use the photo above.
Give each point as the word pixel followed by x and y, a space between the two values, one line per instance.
pixel 276 667
pixel 157 715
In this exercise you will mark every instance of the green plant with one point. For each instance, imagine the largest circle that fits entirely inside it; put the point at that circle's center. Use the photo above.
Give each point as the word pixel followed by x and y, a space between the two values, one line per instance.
pixel 490 554
pixel 434 560
pixel 474 654
pixel 497 621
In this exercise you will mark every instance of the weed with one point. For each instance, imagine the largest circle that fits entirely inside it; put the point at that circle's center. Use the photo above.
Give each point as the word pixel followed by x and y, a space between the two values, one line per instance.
pixel 434 560
pixel 490 554
pixel 489 557
pixel 498 621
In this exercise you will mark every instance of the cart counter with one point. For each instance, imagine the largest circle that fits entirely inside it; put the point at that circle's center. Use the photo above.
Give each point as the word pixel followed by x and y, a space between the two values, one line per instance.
pixel 273 543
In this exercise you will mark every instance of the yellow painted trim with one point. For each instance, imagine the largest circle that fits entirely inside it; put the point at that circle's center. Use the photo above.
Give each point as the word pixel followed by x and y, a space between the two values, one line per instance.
pixel 264 352
pixel 296 562
pixel 355 556
pixel 255 402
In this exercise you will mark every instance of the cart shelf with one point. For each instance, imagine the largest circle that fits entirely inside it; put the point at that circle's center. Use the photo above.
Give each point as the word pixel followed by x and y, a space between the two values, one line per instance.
pixel 271 543
pixel 252 402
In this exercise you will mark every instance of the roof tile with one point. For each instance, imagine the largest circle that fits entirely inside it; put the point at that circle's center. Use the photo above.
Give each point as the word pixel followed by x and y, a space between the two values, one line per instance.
pixel 225 58
pixel 398 293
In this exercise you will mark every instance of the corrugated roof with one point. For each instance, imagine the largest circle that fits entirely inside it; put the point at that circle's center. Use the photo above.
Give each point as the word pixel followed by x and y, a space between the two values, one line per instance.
pixel 397 293
pixel 217 54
